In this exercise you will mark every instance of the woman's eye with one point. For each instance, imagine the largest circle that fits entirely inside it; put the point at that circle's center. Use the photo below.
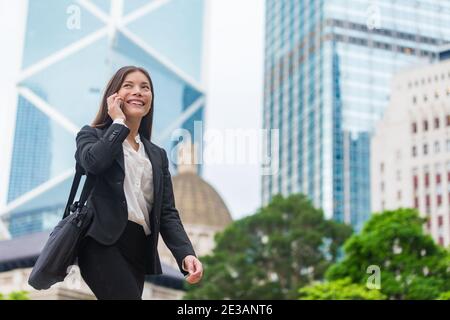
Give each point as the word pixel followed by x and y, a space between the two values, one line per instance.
pixel 127 85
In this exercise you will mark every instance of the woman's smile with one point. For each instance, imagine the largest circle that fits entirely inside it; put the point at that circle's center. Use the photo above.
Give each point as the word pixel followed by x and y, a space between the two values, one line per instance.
pixel 136 102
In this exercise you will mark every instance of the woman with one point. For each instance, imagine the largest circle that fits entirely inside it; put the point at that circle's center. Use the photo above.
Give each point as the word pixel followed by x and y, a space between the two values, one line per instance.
pixel 132 198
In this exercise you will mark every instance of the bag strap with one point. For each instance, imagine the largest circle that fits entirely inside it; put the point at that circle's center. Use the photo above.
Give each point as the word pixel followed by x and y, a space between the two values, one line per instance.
pixel 87 188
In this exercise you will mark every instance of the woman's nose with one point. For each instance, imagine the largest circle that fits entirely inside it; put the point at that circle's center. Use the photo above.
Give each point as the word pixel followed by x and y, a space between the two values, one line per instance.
pixel 137 91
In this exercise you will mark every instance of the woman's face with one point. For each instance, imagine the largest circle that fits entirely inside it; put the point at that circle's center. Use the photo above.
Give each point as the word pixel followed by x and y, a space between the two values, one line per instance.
pixel 136 94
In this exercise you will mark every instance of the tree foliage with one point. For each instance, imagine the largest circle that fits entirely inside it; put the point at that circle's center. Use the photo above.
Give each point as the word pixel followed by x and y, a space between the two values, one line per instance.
pixel 342 289
pixel 444 296
pixel 269 255
pixel 411 264
pixel 15 295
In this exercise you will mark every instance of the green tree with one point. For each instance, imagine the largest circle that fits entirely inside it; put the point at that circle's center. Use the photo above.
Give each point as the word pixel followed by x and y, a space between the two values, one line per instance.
pixel 342 289
pixel 15 295
pixel 272 253
pixel 444 296
pixel 411 265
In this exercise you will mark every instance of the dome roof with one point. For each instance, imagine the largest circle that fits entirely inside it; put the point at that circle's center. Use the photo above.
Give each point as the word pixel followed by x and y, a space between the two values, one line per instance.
pixel 198 202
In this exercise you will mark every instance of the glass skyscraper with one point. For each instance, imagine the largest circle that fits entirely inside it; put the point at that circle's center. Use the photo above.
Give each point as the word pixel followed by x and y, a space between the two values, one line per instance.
pixel 71 49
pixel 328 65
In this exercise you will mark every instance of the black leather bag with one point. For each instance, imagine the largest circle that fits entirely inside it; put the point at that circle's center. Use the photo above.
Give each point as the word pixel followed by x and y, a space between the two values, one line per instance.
pixel 61 249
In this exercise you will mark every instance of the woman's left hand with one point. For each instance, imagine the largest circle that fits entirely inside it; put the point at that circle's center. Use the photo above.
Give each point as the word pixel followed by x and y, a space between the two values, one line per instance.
pixel 192 265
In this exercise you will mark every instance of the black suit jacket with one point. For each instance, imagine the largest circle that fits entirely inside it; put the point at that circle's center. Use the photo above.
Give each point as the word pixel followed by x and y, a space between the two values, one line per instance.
pixel 104 158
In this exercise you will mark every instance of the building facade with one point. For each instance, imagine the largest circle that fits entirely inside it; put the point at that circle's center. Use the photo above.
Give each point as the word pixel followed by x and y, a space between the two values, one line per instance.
pixel 70 51
pixel 328 65
pixel 411 148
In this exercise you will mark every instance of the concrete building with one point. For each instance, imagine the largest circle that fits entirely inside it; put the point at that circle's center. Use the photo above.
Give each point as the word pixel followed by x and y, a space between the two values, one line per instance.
pixel 410 164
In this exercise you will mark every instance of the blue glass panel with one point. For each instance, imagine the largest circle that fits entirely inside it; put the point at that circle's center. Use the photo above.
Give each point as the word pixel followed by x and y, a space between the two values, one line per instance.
pixel 359 155
pixel 73 86
pixel 175 31
pixel 42 212
pixel 132 5
pixel 31 154
pixel 104 5
pixel 170 98
pixel 42 150
pixel 55 196
pixel 45 36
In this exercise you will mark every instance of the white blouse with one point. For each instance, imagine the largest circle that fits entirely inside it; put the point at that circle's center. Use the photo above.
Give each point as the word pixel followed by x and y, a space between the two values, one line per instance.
pixel 138 183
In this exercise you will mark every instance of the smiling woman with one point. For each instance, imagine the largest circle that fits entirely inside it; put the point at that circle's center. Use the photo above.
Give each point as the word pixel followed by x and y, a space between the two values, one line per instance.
pixel 132 198
pixel 130 84
pixel 136 92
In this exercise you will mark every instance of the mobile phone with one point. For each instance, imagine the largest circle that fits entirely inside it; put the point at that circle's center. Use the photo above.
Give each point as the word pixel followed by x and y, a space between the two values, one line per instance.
pixel 121 103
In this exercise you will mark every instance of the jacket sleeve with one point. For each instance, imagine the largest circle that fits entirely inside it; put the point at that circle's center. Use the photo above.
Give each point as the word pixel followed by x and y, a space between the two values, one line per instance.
pixel 171 228
pixel 96 155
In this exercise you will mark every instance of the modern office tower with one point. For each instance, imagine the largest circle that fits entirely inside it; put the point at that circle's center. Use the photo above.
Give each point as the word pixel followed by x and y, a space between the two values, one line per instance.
pixel 410 162
pixel 71 49
pixel 328 66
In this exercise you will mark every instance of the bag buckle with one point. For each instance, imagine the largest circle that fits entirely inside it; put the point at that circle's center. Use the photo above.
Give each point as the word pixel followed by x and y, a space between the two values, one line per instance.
pixel 74 206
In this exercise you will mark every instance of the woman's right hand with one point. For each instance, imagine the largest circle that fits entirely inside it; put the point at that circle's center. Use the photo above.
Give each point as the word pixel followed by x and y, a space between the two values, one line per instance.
pixel 114 102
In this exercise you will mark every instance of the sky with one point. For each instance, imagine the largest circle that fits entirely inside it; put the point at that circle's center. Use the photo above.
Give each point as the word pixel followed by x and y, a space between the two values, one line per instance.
pixel 234 82
pixel 235 88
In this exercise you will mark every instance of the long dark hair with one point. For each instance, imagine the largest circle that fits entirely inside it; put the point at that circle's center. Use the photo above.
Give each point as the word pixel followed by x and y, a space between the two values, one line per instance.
pixel 103 120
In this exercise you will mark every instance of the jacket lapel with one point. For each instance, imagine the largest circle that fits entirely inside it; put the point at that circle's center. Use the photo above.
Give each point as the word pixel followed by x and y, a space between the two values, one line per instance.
pixel 155 158
pixel 120 160
pixel 156 161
